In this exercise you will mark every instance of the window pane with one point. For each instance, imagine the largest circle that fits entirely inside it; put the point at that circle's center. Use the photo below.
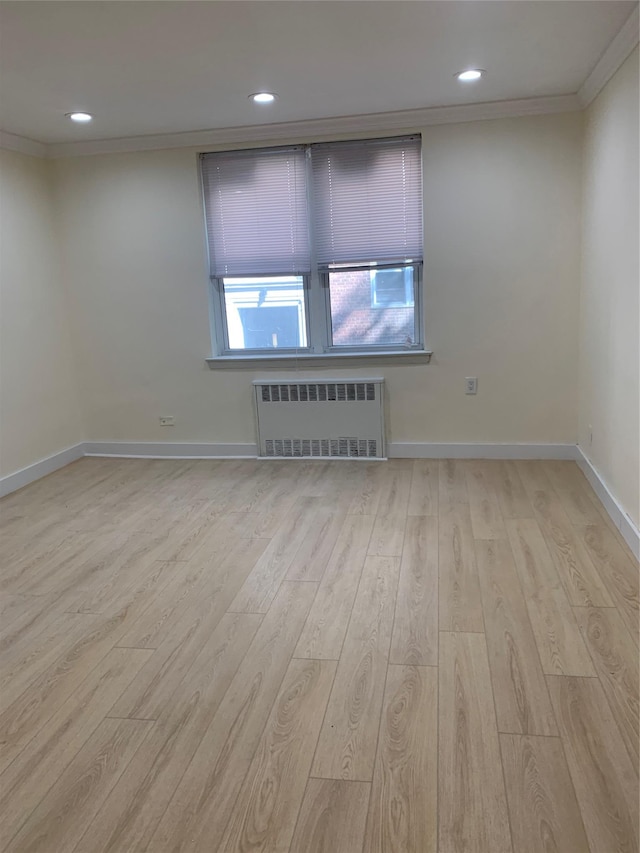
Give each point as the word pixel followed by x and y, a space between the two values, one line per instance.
pixel 372 307
pixel 392 288
pixel 267 312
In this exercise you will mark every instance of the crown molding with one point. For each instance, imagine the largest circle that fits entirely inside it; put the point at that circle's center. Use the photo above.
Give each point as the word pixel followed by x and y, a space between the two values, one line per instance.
pixel 613 57
pixel 314 128
pixel 11 142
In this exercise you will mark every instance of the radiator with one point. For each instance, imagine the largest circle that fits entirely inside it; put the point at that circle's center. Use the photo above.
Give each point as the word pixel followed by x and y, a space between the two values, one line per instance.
pixel 341 419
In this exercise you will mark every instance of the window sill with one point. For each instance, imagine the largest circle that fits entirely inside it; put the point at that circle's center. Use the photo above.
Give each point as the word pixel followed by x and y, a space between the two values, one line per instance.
pixel 316 360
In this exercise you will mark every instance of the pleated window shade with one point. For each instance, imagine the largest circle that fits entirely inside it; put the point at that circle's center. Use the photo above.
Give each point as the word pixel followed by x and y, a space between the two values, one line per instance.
pixel 367 200
pixel 257 212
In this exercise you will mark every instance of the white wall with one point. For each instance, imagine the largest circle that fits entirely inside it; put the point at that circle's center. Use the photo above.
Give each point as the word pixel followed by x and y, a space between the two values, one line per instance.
pixel 609 355
pixel 502 220
pixel 39 414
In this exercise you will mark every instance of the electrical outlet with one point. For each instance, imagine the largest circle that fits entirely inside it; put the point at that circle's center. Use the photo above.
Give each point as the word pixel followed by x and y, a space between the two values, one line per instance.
pixel 167 421
pixel 471 385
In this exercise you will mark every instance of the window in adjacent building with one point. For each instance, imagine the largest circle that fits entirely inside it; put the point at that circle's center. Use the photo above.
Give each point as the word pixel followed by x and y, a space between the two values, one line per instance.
pixel 267 312
pixel 316 248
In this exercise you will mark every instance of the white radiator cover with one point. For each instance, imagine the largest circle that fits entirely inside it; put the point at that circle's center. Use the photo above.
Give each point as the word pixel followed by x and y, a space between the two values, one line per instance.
pixel 333 419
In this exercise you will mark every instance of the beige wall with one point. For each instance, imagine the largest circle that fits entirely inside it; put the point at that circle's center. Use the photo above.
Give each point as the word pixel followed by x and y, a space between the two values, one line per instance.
pixel 609 356
pixel 39 413
pixel 502 219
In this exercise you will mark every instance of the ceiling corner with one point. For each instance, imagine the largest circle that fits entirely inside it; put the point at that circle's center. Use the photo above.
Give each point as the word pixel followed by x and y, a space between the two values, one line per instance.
pixel 12 142
pixel 619 49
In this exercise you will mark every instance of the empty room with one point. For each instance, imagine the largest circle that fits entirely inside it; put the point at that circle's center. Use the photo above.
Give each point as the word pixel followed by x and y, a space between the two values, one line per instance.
pixel 319 426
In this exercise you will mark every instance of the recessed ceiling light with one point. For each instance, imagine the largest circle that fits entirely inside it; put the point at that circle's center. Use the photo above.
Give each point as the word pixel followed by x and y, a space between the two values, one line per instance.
pixel 263 97
pixel 469 75
pixel 79 117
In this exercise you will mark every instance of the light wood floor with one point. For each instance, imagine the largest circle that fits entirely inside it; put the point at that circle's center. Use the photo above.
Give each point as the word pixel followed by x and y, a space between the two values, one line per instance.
pixel 325 657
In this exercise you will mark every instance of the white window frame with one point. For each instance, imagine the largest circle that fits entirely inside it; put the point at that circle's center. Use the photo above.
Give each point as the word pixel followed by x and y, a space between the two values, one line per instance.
pixel 317 312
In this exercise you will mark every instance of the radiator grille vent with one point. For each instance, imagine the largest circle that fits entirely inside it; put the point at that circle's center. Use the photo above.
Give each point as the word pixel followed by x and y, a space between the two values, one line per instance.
pixel 312 392
pixel 340 447
pixel 352 427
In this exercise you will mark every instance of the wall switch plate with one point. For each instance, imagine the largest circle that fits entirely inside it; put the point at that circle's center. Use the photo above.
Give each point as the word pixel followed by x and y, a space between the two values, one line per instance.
pixel 471 385
pixel 167 421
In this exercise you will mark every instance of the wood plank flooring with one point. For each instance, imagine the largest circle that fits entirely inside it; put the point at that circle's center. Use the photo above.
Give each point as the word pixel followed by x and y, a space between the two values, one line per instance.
pixel 414 656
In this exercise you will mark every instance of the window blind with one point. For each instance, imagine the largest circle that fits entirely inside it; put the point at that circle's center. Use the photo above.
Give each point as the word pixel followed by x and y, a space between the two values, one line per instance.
pixel 367 201
pixel 256 210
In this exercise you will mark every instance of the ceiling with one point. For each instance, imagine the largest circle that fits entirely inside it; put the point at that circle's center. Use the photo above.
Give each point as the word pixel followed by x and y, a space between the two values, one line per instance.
pixel 166 67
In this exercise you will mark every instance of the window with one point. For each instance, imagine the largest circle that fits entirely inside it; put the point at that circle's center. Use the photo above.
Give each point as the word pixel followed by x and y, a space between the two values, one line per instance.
pixel 392 288
pixel 316 248
pixel 265 313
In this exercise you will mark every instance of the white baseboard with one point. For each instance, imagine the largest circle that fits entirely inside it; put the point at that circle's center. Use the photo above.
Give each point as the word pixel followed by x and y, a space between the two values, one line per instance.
pixel 397 450
pixel 219 450
pixel 428 450
pixel 627 528
pixel 15 481
pixel 170 450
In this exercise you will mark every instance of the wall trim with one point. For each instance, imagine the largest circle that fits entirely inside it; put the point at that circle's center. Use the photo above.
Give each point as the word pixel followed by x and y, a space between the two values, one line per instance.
pixel 170 450
pixel 12 142
pixel 319 128
pixel 396 450
pixel 477 450
pixel 614 508
pixel 37 470
pixel 613 57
